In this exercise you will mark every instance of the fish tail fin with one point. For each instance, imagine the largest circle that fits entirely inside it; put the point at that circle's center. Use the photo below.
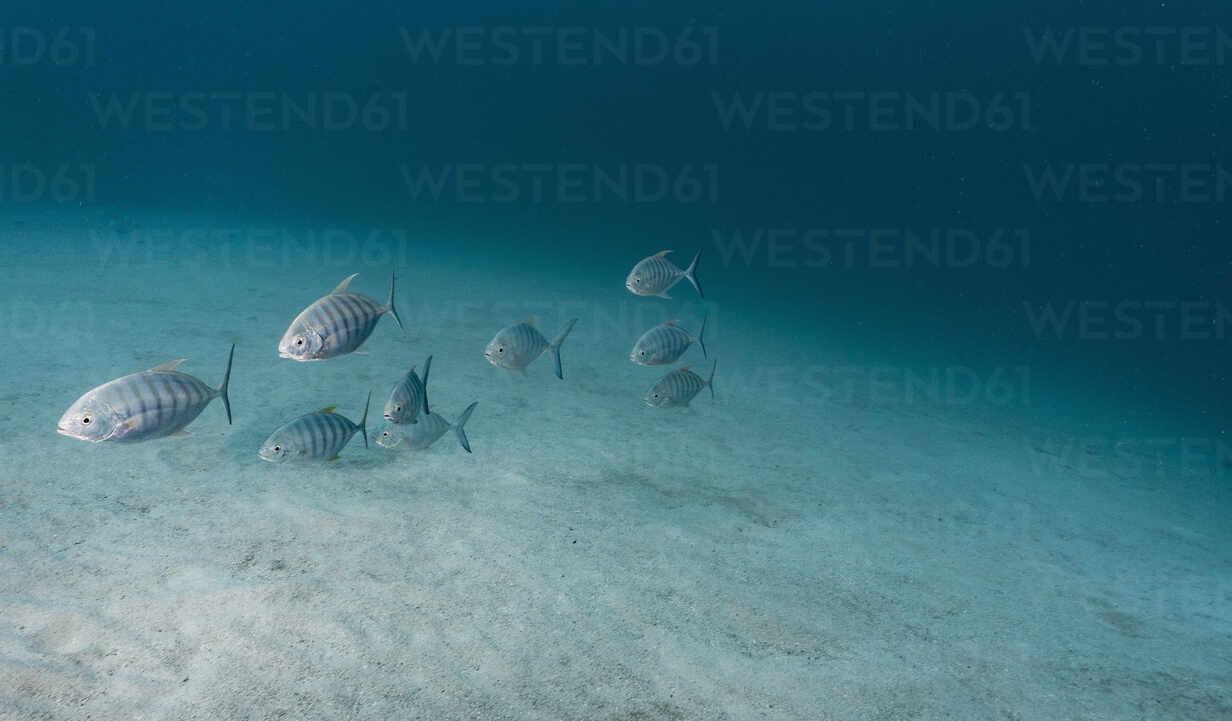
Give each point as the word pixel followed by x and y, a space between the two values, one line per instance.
pixel 392 310
pixel 458 427
pixel 363 422
pixel 554 348
pixel 427 368
pixel 701 336
pixel 691 273
pixel 226 382
pixel 710 381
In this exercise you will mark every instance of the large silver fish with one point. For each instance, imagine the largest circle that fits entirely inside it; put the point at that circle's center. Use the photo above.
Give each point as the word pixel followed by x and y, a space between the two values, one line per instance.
pixel 335 325
pixel 409 396
pixel 665 344
pixel 678 388
pixel 313 437
pixel 427 431
pixel 656 275
pixel 142 406
pixel 516 346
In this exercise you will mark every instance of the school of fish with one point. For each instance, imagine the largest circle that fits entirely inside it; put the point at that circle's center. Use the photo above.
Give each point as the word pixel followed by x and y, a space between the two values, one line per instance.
pixel 162 401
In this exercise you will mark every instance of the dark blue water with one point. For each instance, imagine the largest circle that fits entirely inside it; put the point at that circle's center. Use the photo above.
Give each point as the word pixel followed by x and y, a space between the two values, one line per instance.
pixel 1025 208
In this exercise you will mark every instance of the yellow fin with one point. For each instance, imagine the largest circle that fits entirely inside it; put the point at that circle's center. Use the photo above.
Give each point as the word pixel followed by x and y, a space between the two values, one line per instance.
pixel 327 409
pixel 684 368
pixel 660 254
pixel 335 458
pixel 671 322
pixel 180 434
pixel 169 365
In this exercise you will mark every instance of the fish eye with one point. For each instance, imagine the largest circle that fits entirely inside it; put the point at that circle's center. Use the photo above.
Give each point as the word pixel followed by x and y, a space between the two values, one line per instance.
pixel 397 408
pixel 277 449
pixel 85 420
pixel 299 341
pixel 500 350
pixel 643 352
pixel 385 434
pixel 656 395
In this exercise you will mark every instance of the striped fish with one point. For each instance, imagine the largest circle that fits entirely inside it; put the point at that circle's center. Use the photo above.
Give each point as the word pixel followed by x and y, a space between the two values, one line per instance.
pixel 427 431
pixel 313 437
pixel 665 344
pixel 335 325
pixel 409 396
pixel 678 388
pixel 656 275
pixel 516 346
pixel 142 406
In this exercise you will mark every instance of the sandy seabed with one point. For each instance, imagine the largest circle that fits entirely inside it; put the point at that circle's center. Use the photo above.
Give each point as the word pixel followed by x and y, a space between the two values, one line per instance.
pixel 776 553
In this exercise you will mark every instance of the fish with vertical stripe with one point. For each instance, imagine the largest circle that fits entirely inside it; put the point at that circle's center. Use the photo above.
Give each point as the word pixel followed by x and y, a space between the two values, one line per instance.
pixel 335 325
pixel 316 436
pixel 656 275
pixel 151 404
pixel 678 388
pixel 516 346
pixel 665 343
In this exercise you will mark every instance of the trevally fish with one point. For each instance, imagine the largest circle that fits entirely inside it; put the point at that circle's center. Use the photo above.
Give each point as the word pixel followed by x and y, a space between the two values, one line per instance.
pixel 335 325
pixel 142 406
pixel 678 388
pixel 665 343
pixel 656 275
pixel 516 346
pixel 408 396
pixel 313 437
pixel 427 431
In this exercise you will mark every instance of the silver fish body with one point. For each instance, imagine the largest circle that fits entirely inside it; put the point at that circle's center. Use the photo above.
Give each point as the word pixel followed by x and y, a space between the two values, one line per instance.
pixel 315 436
pixel 665 343
pixel 429 429
pixel 142 406
pixel 678 388
pixel 518 345
pixel 335 325
pixel 656 275
pixel 409 396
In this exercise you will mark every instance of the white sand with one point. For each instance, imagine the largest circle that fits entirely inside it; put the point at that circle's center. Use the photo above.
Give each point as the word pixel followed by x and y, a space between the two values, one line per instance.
pixel 778 553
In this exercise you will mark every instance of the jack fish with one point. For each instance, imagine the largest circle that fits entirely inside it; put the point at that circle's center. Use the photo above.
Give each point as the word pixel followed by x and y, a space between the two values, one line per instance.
pixel 678 388
pixel 656 275
pixel 665 343
pixel 409 396
pixel 313 437
pixel 516 346
pixel 427 431
pixel 143 406
pixel 335 325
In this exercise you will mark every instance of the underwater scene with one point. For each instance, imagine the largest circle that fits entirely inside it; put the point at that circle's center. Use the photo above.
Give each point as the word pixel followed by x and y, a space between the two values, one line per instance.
pixel 616 360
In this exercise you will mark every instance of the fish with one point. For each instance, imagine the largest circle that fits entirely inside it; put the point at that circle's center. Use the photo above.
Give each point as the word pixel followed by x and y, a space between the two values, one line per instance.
pixel 155 403
pixel 335 325
pixel 427 431
pixel 678 388
pixel 313 437
pixel 665 343
pixel 516 346
pixel 656 275
pixel 409 396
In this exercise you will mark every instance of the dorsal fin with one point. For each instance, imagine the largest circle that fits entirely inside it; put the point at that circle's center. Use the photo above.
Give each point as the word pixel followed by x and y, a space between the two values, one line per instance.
pixel 682 369
pixel 671 322
pixel 169 365
pixel 660 254
pixel 327 409
pixel 342 287
pixel 531 320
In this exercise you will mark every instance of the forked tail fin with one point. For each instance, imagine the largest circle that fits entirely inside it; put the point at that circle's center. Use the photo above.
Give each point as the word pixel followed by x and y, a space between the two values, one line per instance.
pixel 458 427
pixel 554 348
pixel 226 381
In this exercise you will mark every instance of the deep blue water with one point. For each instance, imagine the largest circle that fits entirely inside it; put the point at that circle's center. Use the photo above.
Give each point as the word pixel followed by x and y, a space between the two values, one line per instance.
pixel 1030 201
